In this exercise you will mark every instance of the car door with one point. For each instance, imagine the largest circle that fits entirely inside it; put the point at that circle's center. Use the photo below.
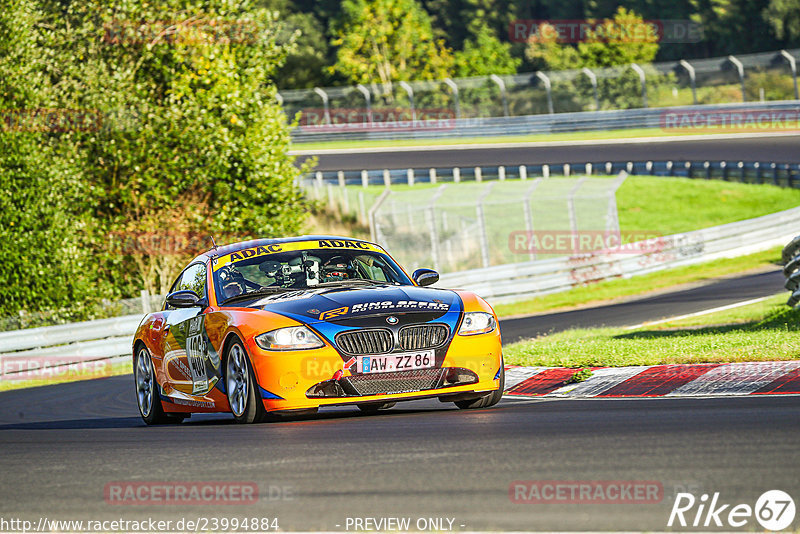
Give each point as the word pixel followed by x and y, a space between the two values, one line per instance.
pixel 190 361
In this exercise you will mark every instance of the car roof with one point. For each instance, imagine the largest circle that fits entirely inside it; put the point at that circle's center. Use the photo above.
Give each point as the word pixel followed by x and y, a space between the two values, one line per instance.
pixel 241 245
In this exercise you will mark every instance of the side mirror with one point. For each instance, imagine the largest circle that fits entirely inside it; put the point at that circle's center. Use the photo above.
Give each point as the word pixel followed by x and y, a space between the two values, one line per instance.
pixel 185 298
pixel 425 277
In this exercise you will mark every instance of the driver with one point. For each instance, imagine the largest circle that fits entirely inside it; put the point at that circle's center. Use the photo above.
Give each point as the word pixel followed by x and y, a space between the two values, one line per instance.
pixel 338 268
pixel 233 283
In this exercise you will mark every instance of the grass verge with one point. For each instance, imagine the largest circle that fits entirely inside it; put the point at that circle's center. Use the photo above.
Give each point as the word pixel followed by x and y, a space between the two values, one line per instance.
pixel 763 331
pixel 609 290
pixel 60 375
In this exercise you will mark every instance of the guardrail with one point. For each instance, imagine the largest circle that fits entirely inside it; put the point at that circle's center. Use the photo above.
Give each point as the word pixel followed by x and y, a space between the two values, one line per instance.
pixel 756 172
pixel 391 106
pixel 791 269
pixel 32 351
pixel 668 119
pixel 521 280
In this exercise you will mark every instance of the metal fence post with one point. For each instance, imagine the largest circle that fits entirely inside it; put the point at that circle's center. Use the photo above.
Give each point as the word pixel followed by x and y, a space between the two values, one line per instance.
pixel 432 175
pixel 523 172
pixel 482 235
pixel 325 105
pixel 740 69
pixel 545 171
pixel 410 93
pixel 364 178
pixel 643 81
pixel 410 176
pixel 478 174
pixel 501 173
pixel 373 214
pixel 793 66
pixel 367 100
pixel 432 223
pixel 456 175
pixel 362 210
pixel 528 213
pixel 502 86
pixel 387 178
pixel 692 78
pixel 548 90
pixel 573 217
pixel 593 79
pixel 723 165
pixel 454 90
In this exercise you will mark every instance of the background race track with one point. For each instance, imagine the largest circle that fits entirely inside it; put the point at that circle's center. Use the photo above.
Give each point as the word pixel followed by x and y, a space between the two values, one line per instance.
pixel 62 444
pixel 782 149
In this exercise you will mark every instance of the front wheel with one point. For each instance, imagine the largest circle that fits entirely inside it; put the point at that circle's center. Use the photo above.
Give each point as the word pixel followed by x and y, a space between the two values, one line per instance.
pixel 240 384
pixel 150 407
pixel 487 400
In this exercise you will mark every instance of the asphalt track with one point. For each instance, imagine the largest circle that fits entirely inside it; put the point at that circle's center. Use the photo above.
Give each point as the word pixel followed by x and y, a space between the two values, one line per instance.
pixel 62 444
pixel 782 149
pixel 636 311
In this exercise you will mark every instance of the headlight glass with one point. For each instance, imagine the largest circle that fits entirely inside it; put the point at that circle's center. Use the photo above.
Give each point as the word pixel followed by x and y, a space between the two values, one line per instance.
pixel 289 338
pixel 477 323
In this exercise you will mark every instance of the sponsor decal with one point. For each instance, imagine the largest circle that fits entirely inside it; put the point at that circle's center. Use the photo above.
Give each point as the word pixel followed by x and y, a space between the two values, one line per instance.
pixel 265 250
pixel 366 307
pixel 330 314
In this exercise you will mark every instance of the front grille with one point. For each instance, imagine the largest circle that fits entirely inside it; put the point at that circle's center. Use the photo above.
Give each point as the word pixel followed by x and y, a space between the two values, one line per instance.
pixel 397 382
pixel 376 341
pixel 423 336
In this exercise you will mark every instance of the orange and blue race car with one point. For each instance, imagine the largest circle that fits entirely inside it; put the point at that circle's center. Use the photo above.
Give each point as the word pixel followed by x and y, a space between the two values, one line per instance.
pixel 276 327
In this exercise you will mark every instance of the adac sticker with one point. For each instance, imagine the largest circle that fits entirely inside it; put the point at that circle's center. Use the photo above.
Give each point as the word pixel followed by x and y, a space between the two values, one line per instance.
pixel 265 250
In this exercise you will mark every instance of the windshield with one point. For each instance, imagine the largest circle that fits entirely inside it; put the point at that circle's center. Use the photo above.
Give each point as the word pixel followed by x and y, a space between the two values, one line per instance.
pixel 240 275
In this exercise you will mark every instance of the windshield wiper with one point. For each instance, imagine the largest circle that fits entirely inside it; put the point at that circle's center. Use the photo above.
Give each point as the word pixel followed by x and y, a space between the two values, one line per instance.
pixel 257 293
pixel 353 281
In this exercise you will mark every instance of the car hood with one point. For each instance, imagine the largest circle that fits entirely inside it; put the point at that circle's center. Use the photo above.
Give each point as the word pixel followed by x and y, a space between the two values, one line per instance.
pixel 361 304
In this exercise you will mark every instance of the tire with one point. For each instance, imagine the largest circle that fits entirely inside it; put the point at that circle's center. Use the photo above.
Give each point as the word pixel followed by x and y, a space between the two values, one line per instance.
pixel 487 400
pixel 147 398
pixel 374 407
pixel 241 386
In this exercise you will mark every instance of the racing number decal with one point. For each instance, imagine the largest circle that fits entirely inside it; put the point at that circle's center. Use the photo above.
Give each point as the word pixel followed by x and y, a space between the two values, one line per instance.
pixel 195 354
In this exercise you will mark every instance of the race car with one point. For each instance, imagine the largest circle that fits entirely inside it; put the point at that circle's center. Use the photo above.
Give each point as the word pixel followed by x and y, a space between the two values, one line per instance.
pixel 276 327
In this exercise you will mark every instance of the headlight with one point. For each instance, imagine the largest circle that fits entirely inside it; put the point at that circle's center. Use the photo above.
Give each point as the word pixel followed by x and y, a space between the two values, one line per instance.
pixel 477 323
pixel 289 338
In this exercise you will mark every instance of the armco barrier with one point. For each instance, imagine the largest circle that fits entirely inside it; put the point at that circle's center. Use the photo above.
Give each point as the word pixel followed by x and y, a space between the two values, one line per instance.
pixel 57 346
pixel 507 283
pixel 546 124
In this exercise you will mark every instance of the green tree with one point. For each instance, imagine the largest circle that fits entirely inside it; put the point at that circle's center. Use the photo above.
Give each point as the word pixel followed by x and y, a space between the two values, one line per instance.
pixel 485 55
pixel 45 264
pixel 383 41
pixel 192 140
pixel 784 17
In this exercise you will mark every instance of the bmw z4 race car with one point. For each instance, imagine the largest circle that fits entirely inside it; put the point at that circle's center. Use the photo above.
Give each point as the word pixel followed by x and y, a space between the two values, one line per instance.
pixel 285 326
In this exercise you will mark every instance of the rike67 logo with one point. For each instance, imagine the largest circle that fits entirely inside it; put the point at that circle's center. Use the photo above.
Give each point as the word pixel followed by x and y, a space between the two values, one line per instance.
pixel 774 510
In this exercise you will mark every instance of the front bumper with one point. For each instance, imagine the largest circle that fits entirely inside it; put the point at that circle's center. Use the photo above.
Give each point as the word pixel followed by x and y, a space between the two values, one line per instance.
pixel 296 380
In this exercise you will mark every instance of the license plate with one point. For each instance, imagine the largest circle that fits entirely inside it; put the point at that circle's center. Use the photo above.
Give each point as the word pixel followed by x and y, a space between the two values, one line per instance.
pixel 387 363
